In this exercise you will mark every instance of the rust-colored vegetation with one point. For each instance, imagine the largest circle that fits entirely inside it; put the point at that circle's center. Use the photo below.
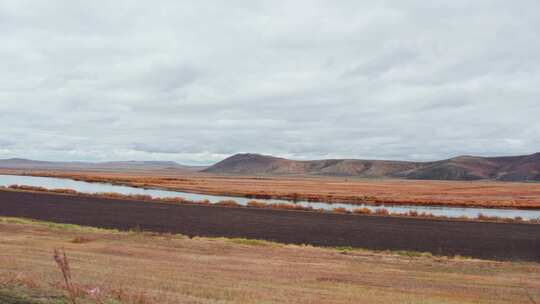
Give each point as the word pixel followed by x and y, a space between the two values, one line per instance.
pixel 487 194
pixel 262 205
pixel 228 203
pixel 382 212
pixel 340 210
pixel 362 211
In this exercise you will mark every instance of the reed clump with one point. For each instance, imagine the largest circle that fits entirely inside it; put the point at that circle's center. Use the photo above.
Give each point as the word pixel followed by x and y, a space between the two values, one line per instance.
pixel 340 210
pixel 290 207
pixel 382 212
pixel 256 204
pixel 362 211
pixel 228 203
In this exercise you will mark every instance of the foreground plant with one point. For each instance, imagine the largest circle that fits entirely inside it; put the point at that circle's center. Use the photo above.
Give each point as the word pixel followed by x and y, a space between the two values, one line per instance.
pixel 73 290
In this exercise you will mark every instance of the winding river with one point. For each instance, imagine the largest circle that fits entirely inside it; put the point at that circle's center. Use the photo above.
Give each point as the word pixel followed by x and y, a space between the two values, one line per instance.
pixel 86 187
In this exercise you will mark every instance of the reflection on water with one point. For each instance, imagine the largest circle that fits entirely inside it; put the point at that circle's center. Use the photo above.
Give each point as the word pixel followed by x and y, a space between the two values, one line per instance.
pixel 86 187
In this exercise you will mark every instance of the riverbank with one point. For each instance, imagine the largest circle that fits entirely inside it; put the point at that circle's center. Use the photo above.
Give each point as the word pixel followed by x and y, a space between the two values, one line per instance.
pixel 289 206
pixel 485 194
pixel 501 241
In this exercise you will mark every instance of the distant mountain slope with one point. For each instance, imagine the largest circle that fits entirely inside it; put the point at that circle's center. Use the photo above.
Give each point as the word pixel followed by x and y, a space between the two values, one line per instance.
pixel 19 163
pixel 513 168
pixel 261 164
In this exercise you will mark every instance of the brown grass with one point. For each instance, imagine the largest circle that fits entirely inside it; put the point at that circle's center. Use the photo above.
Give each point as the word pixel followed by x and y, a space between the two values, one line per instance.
pixel 340 210
pixel 150 268
pixel 382 212
pixel 228 203
pixel 81 240
pixel 362 211
pixel 412 213
pixel 61 260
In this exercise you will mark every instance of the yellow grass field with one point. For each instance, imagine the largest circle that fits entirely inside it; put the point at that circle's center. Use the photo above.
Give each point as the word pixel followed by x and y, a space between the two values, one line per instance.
pixel 135 267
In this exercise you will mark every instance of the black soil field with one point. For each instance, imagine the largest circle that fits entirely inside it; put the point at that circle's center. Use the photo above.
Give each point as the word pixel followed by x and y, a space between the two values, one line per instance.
pixel 499 241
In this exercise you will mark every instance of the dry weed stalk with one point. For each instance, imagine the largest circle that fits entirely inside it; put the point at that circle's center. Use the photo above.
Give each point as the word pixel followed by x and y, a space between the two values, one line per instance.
pixel 73 291
pixel 63 264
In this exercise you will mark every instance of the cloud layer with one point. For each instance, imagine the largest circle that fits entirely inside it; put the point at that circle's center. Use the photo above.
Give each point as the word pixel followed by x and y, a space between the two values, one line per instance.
pixel 195 81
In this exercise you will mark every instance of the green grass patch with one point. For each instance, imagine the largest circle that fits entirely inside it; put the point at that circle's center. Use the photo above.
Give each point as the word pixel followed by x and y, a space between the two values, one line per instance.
pixel 57 226
pixel 252 242
pixel 20 295
pixel 345 249
pixel 413 254
pixel 86 229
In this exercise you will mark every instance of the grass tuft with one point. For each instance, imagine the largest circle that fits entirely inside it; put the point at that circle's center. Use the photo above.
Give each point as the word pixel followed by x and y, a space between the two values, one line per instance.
pixel 228 203
pixel 81 240
pixel 250 242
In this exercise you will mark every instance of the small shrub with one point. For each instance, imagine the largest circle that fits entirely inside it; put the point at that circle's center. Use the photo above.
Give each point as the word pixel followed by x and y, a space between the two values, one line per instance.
pixel 140 197
pixel 382 212
pixel 413 213
pixel 290 207
pixel 27 188
pixel 484 217
pixel 340 210
pixel 228 203
pixel 204 202
pixel 362 211
pixel 255 204
pixel 81 240
pixel 174 200
pixel 64 191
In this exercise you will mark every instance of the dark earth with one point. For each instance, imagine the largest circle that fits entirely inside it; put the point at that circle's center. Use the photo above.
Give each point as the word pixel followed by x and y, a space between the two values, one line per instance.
pixel 498 241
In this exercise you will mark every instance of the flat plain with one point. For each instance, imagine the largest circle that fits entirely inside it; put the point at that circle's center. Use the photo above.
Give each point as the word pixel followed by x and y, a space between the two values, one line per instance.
pixel 137 267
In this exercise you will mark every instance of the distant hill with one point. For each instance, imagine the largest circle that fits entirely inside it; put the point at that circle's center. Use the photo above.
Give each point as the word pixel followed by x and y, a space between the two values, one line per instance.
pixel 512 168
pixel 19 163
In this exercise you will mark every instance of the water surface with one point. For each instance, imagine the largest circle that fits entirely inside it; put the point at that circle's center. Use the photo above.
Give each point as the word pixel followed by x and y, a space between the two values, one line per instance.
pixel 86 187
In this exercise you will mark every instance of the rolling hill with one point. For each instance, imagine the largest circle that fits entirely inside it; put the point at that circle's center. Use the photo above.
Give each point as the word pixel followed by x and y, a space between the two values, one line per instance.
pixel 512 168
pixel 20 163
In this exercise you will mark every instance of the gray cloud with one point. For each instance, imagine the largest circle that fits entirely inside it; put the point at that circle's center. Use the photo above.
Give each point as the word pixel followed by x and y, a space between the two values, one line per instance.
pixel 194 82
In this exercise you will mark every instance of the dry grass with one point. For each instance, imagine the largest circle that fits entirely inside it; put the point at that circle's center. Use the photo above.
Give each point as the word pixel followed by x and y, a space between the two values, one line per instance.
pixel 228 203
pixel 328 189
pixel 362 211
pixel 382 212
pixel 340 210
pixel 152 268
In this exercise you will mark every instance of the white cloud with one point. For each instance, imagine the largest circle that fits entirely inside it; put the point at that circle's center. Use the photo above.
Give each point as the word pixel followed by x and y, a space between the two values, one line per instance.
pixel 193 81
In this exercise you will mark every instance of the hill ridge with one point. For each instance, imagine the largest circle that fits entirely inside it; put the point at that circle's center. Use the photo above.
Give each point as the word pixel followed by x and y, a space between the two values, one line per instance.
pixel 22 163
pixel 463 167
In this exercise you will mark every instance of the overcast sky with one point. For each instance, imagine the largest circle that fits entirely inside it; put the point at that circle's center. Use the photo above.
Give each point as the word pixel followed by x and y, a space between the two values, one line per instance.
pixel 196 81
